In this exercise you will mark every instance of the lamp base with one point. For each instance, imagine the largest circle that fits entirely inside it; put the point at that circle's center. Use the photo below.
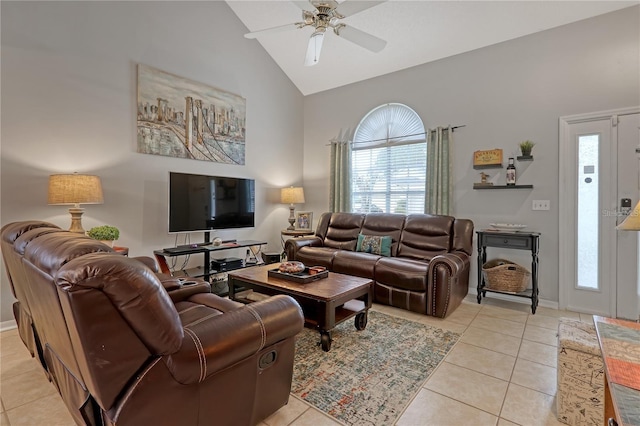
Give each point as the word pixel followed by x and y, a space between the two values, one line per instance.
pixel 292 219
pixel 76 220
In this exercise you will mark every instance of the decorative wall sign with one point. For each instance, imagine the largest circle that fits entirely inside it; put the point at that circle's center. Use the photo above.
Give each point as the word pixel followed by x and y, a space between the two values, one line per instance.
pixel 488 158
pixel 182 118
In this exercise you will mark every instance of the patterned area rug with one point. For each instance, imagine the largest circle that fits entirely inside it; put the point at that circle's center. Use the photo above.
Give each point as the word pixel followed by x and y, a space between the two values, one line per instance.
pixel 369 376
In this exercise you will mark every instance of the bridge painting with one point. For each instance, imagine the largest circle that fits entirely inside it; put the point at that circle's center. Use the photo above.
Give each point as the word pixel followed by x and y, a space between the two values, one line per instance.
pixel 182 118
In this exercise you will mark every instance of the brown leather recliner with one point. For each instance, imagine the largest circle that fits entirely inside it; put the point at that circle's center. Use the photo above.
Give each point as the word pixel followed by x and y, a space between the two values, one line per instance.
pixel 121 351
pixel 427 267
pixel 12 256
pixel 17 281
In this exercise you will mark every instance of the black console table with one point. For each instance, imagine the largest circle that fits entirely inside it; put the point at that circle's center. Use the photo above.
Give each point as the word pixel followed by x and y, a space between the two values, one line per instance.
pixel 162 255
pixel 510 240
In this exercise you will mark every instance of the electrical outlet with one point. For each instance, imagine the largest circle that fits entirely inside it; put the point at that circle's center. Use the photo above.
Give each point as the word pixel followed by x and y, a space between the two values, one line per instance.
pixel 540 204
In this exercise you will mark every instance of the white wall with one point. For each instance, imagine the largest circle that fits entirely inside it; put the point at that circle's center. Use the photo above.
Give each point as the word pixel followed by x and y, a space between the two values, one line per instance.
pixel 69 98
pixel 504 94
pixel 69 104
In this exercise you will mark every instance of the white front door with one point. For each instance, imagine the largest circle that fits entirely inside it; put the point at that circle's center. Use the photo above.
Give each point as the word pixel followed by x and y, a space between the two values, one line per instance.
pixel 628 294
pixel 594 168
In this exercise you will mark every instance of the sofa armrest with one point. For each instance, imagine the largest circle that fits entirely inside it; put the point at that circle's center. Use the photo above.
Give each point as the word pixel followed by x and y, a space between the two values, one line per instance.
pixel 181 288
pixel 447 282
pixel 210 300
pixel 219 341
pixel 149 262
pixel 188 289
pixel 456 262
pixel 292 245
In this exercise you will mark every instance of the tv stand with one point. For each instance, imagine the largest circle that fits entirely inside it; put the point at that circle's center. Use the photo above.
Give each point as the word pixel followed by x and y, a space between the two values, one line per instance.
pixel 205 271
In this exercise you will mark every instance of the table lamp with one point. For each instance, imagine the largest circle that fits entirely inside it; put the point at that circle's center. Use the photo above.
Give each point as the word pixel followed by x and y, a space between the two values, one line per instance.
pixel 75 189
pixel 291 196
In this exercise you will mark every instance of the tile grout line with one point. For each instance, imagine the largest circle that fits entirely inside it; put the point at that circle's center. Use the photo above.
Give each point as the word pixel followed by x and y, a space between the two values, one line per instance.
pixel 512 370
pixel 464 403
pixel 465 328
pixel 491 350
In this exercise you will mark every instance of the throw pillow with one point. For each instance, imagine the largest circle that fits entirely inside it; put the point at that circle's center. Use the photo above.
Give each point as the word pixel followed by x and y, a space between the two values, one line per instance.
pixel 376 244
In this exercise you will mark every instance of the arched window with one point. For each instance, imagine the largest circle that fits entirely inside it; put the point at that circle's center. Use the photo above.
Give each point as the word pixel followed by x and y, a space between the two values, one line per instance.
pixel 388 162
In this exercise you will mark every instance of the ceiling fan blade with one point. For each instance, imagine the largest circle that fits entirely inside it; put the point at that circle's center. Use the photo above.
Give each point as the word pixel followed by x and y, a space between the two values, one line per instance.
pixel 350 8
pixel 278 29
pixel 303 4
pixel 313 48
pixel 366 40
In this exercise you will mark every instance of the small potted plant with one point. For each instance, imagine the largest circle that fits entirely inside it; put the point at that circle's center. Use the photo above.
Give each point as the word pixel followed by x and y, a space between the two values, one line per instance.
pixel 105 233
pixel 526 147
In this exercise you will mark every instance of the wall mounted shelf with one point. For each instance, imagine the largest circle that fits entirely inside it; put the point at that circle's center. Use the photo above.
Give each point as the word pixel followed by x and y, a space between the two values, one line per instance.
pixel 488 166
pixel 499 166
pixel 504 187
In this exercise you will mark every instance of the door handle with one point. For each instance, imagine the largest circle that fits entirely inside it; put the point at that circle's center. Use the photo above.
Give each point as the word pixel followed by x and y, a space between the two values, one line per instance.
pixel 625 210
pixel 625 206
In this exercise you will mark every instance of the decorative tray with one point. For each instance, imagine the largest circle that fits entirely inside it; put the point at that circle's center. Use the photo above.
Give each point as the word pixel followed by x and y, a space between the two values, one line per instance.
pixel 299 277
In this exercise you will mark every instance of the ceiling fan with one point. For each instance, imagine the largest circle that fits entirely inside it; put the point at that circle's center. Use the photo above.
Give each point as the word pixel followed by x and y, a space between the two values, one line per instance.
pixel 327 16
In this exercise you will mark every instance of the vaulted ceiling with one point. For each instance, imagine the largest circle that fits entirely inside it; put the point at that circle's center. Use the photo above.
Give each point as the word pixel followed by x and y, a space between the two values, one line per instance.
pixel 416 32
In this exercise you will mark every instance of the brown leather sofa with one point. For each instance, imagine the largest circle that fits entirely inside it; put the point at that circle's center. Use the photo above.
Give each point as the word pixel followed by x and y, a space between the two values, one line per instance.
pixel 124 345
pixel 427 270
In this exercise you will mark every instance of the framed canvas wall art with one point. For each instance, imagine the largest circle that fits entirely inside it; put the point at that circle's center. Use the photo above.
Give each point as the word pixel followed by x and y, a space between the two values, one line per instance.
pixel 178 117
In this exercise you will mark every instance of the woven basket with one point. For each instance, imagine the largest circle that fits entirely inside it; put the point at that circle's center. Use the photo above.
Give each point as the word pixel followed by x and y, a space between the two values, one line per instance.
pixel 504 275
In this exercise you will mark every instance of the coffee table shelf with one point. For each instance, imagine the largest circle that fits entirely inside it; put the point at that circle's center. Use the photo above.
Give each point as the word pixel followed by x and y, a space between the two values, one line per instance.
pixel 325 303
pixel 349 309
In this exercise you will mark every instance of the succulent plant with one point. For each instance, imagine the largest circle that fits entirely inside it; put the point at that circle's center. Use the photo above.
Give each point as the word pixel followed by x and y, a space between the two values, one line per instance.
pixel 526 147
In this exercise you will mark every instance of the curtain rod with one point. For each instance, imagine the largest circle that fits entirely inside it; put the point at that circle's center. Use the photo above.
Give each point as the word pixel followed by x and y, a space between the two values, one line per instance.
pixel 398 137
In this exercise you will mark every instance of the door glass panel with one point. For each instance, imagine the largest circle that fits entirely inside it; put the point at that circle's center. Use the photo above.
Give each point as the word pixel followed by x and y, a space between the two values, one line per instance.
pixel 588 212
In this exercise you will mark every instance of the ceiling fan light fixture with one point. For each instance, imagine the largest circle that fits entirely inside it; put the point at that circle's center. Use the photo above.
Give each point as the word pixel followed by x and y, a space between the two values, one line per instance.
pixel 326 16
pixel 313 49
pixel 307 17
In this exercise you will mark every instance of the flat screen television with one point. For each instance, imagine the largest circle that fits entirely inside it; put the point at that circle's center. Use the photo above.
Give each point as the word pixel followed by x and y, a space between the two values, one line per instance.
pixel 202 202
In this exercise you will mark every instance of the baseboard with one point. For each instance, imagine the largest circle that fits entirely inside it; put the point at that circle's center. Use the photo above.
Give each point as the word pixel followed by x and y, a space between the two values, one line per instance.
pixel 8 325
pixel 541 302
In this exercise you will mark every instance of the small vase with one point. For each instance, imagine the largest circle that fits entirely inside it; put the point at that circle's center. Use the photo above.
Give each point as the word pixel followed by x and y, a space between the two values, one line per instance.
pixel 107 242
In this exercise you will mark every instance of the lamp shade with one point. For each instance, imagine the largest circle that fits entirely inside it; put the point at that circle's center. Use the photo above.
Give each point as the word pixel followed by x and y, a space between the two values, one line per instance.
pixel 632 222
pixel 292 195
pixel 75 189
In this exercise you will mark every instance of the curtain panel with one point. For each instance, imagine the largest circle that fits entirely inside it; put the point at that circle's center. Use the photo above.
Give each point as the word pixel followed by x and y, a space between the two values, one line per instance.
pixel 439 179
pixel 340 184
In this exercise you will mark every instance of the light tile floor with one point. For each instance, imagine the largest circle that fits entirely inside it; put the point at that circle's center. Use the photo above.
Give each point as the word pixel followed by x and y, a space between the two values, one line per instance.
pixel 501 372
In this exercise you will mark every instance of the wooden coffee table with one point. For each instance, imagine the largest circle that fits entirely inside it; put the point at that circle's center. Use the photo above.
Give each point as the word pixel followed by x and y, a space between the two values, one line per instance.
pixel 326 302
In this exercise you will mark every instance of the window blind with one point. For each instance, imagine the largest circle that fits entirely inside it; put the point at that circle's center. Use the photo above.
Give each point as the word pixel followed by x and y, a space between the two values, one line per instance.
pixel 389 179
pixel 388 162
